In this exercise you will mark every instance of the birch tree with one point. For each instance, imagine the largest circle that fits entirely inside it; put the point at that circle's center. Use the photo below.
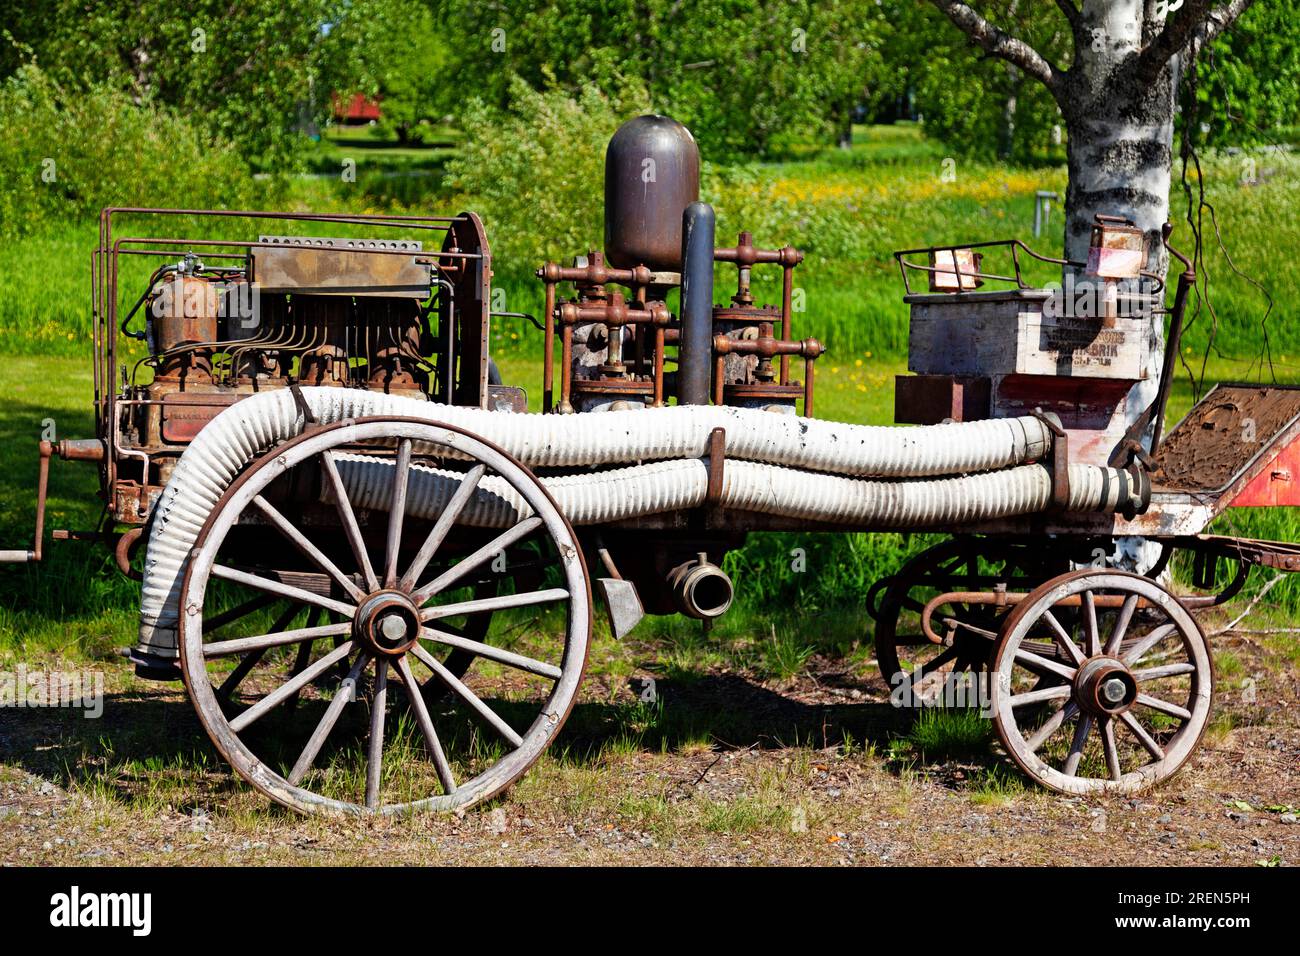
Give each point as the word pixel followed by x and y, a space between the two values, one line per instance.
pixel 1116 95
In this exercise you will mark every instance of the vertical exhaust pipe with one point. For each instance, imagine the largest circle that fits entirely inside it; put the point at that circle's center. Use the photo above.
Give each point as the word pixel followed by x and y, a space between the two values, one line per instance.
pixel 695 352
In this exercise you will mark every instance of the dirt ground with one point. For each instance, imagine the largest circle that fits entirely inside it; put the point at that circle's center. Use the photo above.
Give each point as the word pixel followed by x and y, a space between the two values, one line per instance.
pixel 809 773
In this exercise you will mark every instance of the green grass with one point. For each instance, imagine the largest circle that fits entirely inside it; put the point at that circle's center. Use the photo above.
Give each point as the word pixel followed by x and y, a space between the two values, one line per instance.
pixel 848 209
pixel 945 733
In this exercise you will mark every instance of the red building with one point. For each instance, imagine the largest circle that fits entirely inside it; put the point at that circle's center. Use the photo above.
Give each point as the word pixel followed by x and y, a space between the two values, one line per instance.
pixel 356 109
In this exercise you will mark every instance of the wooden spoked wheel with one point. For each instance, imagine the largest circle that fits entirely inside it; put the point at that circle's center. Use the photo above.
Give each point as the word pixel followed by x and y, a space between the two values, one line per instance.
pixel 918 670
pixel 1102 683
pixel 299 692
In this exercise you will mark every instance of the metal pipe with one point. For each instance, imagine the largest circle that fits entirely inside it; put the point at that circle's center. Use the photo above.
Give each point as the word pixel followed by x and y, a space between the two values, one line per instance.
pixel 1186 280
pixel 696 346
pixel 701 589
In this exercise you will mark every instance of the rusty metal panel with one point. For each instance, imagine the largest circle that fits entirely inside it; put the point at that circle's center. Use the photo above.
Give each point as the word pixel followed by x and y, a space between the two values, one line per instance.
pixel 185 413
pixel 335 266
pixel 1228 438
pixel 930 399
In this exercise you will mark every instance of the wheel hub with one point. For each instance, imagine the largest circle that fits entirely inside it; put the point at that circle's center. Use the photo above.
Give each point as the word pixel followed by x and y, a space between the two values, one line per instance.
pixel 1105 687
pixel 387 622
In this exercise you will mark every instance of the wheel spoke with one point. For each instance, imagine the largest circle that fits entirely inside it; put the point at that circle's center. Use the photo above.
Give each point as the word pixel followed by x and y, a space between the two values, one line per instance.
pixel 1034 662
pixel 303 657
pixel 282 693
pixel 264 642
pixel 1140 732
pixel 441 527
pixel 478 648
pixel 912 640
pixel 245 666
pixel 350 527
pixel 346 693
pixel 467 695
pixel 1155 703
pixel 1063 639
pixel 236 677
pixel 235 613
pixel 375 752
pixel 1111 748
pixel 301 595
pixel 412 688
pixel 1050 726
pixel 1038 696
pixel 1091 630
pixel 1165 670
pixel 926 668
pixel 1136 652
pixel 472 561
pixel 1121 625
pixel 501 602
pixel 303 544
pixel 397 511
pixel 1081 731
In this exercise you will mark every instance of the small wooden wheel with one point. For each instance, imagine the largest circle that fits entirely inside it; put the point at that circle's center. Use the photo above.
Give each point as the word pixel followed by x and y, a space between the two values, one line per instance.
pixel 1102 682
pixel 392 585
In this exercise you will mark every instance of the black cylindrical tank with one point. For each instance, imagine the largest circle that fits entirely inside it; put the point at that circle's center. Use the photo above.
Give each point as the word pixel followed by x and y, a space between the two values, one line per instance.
pixel 652 173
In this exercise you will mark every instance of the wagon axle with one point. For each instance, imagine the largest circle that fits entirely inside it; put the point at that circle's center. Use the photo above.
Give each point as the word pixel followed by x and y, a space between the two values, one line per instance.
pixel 388 622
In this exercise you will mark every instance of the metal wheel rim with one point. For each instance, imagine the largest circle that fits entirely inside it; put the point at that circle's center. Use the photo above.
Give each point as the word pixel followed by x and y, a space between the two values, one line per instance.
pixel 552 714
pixel 1176 751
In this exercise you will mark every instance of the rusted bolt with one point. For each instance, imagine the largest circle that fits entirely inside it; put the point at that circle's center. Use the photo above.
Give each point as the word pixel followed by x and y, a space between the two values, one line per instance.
pixel 1113 690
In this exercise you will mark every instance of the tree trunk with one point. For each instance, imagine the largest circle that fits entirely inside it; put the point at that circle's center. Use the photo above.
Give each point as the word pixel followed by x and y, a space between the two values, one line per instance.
pixel 1121 130
pixel 1120 148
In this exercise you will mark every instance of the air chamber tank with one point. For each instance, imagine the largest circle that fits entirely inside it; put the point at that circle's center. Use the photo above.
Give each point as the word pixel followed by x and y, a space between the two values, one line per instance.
pixel 652 173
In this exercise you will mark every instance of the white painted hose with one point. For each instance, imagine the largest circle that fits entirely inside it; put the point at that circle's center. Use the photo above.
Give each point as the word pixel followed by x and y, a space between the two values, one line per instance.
pixel 250 427
pixel 623 493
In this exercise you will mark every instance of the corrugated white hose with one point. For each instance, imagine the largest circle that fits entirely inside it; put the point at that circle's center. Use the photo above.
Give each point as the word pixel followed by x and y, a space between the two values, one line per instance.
pixel 248 428
pixel 622 493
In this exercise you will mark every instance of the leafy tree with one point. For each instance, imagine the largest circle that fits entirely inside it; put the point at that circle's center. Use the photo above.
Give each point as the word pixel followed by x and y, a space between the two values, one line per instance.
pixel 976 104
pixel 1249 80
pixel 399 56
pixel 252 72
pixel 1116 91
pixel 748 79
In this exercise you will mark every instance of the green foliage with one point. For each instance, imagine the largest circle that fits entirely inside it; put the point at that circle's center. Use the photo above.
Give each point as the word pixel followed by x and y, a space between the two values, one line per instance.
pixel 402 59
pixel 941 733
pixel 254 73
pixel 976 105
pixel 68 153
pixel 748 79
pixel 534 170
pixel 1249 79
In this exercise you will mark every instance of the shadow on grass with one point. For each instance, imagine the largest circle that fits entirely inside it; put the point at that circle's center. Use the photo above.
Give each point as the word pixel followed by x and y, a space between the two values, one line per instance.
pixel 148 746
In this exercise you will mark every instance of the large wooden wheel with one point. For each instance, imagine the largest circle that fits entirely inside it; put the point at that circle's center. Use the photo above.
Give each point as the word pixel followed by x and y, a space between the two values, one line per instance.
pixel 1102 683
pixel 918 669
pixel 298 692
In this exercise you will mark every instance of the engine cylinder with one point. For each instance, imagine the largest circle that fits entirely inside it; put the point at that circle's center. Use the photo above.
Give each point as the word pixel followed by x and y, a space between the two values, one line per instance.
pixel 652 173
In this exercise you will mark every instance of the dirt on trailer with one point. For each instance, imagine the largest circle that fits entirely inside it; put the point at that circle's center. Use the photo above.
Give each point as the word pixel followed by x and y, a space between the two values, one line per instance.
pixel 1222 434
pixel 723 768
